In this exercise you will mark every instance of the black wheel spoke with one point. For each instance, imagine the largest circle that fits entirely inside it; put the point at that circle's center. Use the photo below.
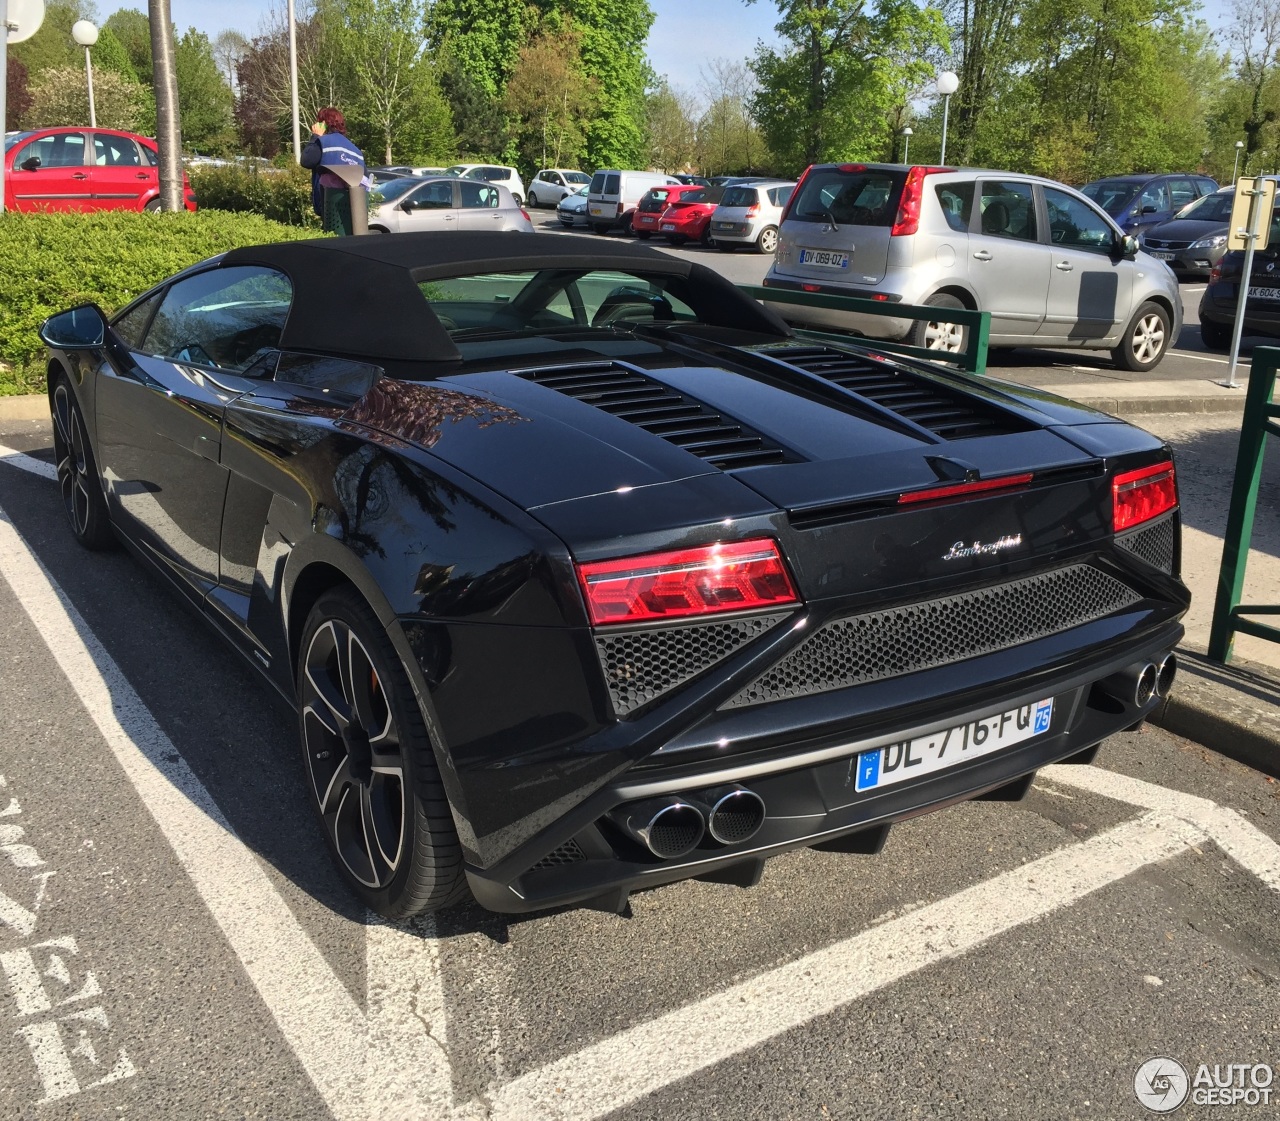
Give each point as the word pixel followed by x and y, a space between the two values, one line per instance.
pixel 61 421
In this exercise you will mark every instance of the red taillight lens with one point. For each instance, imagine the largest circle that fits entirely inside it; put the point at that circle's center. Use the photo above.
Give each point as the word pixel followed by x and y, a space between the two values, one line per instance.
pixel 732 577
pixel 786 210
pixel 1138 496
pixel 1215 274
pixel 526 214
pixel 957 490
pixel 908 220
pixel 753 211
pixel 619 210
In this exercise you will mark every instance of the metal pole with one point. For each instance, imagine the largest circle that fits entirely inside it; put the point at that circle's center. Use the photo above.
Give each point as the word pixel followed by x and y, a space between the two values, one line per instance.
pixel 946 107
pixel 1235 166
pixel 293 84
pixel 4 83
pixel 88 70
pixel 906 147
pixel 1242 298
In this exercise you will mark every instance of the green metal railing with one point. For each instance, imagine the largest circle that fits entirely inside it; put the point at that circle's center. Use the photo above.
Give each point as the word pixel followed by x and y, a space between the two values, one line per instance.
pixel 1260 416
pixel 972 358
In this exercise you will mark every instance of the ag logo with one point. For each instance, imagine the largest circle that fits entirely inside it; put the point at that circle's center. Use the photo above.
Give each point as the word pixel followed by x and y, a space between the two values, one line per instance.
pixel 1161 1085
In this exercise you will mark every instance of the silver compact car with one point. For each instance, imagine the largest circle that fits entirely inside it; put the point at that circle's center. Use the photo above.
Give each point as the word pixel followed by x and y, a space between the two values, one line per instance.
pixel 572 210
pixel 750 213
pixel 411 205
pixel 1049 265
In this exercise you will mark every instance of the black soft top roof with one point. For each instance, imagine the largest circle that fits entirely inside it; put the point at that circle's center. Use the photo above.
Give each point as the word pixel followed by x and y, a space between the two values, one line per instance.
pixel 359 296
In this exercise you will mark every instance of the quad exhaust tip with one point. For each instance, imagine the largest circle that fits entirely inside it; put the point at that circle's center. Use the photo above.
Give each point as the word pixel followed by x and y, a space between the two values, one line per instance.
pixel 734 813
pixel 1166 671
pixel 668 827
pixel 1136 684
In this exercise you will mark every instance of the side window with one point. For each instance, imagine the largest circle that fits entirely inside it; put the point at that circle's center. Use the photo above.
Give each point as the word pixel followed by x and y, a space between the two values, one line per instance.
pixel 1181 192
pixel 555 178
pixel 480 196
pixel 63 150
pixel 1075 225
pixel 224 318
pixel 115 151
pixel 1207 186
pixel 956 200
pixel 434 196
pixel 780 196
pixel 1156 196
pixel 148 156
pixel 133 323
pixel 1008 210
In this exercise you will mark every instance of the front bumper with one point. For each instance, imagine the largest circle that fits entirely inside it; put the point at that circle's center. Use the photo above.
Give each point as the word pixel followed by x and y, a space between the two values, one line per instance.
pixel 1189 262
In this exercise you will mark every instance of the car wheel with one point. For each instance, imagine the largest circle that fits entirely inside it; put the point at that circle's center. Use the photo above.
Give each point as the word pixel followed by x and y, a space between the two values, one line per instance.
pixel 1215 336
pixel 600 228
pixel 379 230
pixel 627 228
pixel 1145 339
pixel 643 235
pixel 767 242
pixel 726 246
pixel 533 201
pixel 82 495
pixel 705 238
pixel 676 239
pixel 370 769
pixel 153 207
pixel 938 334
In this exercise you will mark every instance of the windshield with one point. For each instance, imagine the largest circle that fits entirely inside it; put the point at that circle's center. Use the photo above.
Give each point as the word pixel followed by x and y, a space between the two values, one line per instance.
pixel 1112 195
pixel 1211 208
pixel 457 170
pixel 16 138
pixel 394 188
pixel 576 177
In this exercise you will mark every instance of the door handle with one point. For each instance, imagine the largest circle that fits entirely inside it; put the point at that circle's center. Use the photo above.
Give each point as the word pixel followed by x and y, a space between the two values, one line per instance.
pixel 79 175
pixel 448 217
pixel 1064 266
pixel 982 255
pixel 141 175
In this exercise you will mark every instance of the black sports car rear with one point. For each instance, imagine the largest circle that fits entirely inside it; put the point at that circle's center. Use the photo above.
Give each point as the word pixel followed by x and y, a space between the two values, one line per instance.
pixel 585 573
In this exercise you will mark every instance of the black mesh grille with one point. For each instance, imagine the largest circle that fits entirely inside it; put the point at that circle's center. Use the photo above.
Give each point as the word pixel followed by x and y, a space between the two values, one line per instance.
pixel 681 420
pixel 1153 243
pixel 640 665
pixel 953 415
pixel 568 853
pixel 1153 544
pixel 938 632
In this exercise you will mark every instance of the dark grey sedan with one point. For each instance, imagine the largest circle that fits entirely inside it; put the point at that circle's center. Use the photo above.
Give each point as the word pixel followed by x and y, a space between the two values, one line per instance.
pixel 1194 239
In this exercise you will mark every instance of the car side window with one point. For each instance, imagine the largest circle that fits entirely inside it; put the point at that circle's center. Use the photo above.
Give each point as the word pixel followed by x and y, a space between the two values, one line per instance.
pixel 61 150
pixel 1181 192
pixel 131 326
pixel 148 156
pixel 434 196
pixel 1156 196
pixel 956 200
pixel 480 196
pixel 224 318
pixel 1076 225
pixel 115 151
pixel 1008 210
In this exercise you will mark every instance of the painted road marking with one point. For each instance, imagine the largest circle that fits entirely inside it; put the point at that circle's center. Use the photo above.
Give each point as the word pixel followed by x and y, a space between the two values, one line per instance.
pixel 1201 357
pixel 15 458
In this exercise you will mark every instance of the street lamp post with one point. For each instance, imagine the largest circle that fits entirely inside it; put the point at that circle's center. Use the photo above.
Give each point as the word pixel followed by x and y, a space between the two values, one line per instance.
pixel 1236 165
pixel 907 134
pixel 86 34
pixel 293 84
pixel 947 84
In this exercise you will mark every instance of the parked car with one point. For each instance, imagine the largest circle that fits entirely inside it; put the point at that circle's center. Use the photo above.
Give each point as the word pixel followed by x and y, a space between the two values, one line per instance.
pixel 644 222
pixel 750 213
pixel 1051 268
pixel 548 645
pixel 381 175
pixel 1194 239
pixel 688 216
pixel 82 169
pixel 614 195
pixel 552 184
pixel 1139 201
pixel 423 171
pixel 507 177
pixel 410 204
pixel 693 180
pixel 1262 303
pixel 572 210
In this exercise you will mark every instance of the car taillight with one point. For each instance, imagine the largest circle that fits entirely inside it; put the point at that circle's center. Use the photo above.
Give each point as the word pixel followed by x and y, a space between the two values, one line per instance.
pixel 526 214
pixel 1138 496
pixel 908 220
pixel 619 209
pixel 958 490
pixel 786 210
pixel 753 211
pixel 1215 274
pixel 736 576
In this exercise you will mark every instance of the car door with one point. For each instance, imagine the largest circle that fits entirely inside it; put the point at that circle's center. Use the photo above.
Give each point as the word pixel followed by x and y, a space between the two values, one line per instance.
pixel 433 206
pixel 52 173
pixel 1154 206
pixel 1008 265
pixel 159 415
pixel 1090 284
pixel 481 206
pixel 119 177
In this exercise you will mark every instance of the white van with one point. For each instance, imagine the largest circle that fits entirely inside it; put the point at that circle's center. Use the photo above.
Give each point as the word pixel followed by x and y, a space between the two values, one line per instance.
pixel 614 195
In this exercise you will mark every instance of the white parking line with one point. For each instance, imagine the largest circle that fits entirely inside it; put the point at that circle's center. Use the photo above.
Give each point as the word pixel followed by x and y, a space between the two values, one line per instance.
pixel 1201 357
pixel 26 462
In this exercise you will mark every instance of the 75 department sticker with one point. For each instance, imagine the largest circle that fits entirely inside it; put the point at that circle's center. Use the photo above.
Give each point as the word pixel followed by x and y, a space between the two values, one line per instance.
pixel 1161 1085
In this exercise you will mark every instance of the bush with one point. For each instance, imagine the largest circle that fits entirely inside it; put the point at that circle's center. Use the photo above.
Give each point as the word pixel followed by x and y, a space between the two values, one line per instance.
pixel 49 262
pixel 281 194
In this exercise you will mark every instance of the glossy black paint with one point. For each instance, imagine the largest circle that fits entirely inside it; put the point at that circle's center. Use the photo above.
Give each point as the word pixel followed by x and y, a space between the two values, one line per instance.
pixel 457 502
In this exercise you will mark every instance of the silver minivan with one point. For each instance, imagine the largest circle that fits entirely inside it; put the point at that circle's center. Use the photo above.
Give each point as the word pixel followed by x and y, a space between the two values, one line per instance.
pixel 1051 267
pixel 614 194
pixel 750 213
pixel 410 205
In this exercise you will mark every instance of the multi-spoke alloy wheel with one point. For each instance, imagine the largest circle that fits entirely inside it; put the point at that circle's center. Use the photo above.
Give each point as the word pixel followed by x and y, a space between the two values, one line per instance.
pixel 1145 340
pixel 369 763
pixel 77 474
pixel 938 334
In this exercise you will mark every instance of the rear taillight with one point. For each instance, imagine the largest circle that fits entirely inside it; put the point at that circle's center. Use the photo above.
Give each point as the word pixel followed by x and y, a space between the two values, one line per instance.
pixel 908 220
pixel 526 214
pixel 786 210
pixel 960 490
pixel 619 210
pixel 1138 496
pixel 736 576
pixel 753 211
pixel 1215 274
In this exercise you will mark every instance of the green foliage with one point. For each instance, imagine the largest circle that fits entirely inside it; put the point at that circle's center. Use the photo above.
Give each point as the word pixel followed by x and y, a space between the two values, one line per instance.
pixel 548 97
pixel 133 29
pixel 109 54
pixel 60 96
pixel 49 262
pixel 281 195
pixel 52 46
pixel 204 97
pixel 669 126
pixel 482 38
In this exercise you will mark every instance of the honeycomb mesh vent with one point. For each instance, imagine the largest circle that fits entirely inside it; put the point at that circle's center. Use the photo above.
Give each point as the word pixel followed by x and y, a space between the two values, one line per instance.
pixel 641 665
pixel 568 853
pixel 938 632
pixel 1153 544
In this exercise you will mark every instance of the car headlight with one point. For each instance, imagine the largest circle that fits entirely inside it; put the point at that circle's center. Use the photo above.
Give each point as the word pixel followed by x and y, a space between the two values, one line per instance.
pixel 1215 242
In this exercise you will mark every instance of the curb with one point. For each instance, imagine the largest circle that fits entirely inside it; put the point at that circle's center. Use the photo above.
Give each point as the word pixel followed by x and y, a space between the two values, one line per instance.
pixel 25 406
pixel 1233 710
pixel 1145 406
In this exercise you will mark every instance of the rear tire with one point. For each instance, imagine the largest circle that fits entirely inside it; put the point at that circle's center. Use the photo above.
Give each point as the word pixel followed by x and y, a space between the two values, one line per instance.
pixel 951 338
pixel 533 201
pixel 1146 339
pixel 369 765
pixel 153 207
pixel 600 228
pixel 643 235
pixel 82 496
pixel 676 239
pixel 767 242
pixel 705 238
pixel 1215 336
pixel 726 246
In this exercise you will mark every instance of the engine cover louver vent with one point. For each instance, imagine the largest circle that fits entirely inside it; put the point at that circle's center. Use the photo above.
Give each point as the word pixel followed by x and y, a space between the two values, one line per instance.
pixel 951 415
pixel 679 419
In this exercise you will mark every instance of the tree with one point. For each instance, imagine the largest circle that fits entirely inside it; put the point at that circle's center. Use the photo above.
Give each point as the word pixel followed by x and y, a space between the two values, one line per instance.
pixel 208 124
pixel 60 96
pixel 478 119
pixel 168 118
pixel 988 34
pixel 669 126
pixel 229 49
pixel 17 103
pixel 109 54
pixel 548 95
pixel 481 38
pixel 133 29
pixel 52 46
pixel 1253 36
pixel 727 137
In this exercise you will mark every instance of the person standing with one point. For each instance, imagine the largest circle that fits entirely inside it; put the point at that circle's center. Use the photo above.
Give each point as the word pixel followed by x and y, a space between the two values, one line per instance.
pixel 330 148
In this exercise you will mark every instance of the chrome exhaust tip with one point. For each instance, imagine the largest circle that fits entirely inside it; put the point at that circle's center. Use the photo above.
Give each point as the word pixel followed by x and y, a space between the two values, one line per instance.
pixel 1134 685
pixel 1165 674
pixel 667 827
pixel 734 813
pixel 1146 687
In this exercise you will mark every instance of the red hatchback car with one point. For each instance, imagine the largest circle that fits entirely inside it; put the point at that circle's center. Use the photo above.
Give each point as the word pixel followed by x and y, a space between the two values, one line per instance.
pixel 644 222
pixel 688 218
pixel 83 169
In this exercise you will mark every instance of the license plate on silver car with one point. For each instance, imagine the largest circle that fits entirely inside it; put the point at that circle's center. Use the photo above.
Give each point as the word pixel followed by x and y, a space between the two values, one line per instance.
pixel 824 257
pixel 898 762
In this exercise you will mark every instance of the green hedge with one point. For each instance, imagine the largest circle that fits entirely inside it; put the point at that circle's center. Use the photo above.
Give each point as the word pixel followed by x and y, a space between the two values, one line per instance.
pixel 49 262
pixel 281 194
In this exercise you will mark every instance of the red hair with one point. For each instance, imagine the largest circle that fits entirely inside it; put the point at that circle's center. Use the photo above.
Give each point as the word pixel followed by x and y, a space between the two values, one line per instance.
pixel 333 120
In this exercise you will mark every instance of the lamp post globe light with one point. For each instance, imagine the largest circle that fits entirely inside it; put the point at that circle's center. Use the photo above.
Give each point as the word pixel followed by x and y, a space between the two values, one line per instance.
pixel 1236 165
pixel 947 83
pixel 907 134
pixel 86 34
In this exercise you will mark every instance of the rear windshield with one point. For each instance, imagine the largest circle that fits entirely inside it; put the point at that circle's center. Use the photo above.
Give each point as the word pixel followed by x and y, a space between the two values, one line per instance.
pixel 739 196
pixel 853 198
pixel 704 194
pixel 1211 208
pixel 1111 195
pixel 604 183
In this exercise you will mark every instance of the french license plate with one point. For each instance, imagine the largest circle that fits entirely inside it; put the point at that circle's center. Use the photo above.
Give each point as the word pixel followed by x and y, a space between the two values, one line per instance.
pixel 1264 293
pixel 723 225
pixel 1161 256
pixel 668 225
pixel 824 257
pixel 596 211
pixel 898 762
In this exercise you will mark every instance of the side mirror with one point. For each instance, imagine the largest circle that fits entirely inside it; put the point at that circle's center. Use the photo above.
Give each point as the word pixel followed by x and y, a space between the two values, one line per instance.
pixel 81 328
pixel 1148 210
pixel 30 163
pixel 406 206
pixel 1129 246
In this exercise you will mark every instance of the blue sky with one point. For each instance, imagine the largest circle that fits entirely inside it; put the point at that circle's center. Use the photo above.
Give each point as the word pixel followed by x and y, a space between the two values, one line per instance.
pixel 686 33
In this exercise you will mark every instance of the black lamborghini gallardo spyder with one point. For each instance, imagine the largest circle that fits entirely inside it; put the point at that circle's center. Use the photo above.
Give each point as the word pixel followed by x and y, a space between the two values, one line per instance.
pixel 585 573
